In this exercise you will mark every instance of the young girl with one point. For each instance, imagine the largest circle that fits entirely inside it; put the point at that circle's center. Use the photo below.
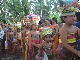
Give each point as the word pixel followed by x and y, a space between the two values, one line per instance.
pixel 47 46
pixel 25 39
pixel 48 42
pixel 68 34
pixel 34 42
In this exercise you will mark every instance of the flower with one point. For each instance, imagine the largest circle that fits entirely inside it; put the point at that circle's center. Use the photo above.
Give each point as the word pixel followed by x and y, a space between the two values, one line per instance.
pixel 68 10
pixel 46 31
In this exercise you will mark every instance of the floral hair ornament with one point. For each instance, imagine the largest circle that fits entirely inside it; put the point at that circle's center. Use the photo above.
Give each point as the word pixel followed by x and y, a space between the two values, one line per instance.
pixel 46 31
pixel 68 10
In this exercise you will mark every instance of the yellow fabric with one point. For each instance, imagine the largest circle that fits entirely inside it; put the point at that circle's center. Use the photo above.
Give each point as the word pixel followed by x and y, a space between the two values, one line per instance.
pixel 72 40
pixel 60 41
pixel 69 40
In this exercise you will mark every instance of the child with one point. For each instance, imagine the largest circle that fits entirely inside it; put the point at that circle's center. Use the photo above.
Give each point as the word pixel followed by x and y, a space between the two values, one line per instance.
pixel 68 34
pixel 48 42
pixel 47 46
pixel 34 42
pixel 45 50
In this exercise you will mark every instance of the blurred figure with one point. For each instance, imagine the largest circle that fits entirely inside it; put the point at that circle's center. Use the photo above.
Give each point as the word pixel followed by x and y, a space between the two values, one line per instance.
pixel 2 39
pixel 78 18
pixel 47 22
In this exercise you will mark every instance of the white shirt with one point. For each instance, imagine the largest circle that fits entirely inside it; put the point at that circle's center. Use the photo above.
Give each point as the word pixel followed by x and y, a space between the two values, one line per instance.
pixel 1 34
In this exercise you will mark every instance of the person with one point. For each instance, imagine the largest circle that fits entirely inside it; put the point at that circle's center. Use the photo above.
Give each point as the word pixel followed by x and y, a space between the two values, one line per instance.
pixel 26 39
pixel 49 43
pixel 47 46
pixel 78 18
pixel 34 41
pixel 54 21
pixel 54 25
pixel 23 33
pixel 2 39
pixel 10 39
pixel 68 34
pixel 47 22
pixel 77 24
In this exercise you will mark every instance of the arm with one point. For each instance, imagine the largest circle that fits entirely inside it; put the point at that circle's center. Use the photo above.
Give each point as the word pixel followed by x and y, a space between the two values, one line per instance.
pixel 63 36
pixel 79 32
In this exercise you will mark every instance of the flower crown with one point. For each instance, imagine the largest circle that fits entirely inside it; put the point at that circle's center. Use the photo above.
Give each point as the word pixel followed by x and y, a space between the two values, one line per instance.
pixel 46 31
pixel 68 10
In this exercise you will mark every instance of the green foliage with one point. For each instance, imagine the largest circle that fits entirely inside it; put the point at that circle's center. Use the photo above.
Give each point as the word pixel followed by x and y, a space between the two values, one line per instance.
pixel 10 9
pixel 46 8
pixel 14 8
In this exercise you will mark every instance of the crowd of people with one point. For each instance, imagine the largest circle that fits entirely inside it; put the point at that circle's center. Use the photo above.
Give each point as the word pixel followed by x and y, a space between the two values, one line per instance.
pixel 46 41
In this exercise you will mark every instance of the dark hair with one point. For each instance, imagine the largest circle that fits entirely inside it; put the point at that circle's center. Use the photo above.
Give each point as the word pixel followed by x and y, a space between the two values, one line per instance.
pixel 54 19
pixel 40 22
pixel 30 17
pixel 50 35
pixel 50 22
pixel 47 19
pixel 18 30
pixel 78 15
pixel 62 18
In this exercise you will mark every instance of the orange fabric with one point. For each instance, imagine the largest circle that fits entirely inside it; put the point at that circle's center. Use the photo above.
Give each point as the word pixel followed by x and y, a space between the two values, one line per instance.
pixel 53 26
pixel 55 42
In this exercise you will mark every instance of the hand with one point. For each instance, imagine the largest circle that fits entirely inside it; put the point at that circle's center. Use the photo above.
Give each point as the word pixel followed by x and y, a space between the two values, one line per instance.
pixel 78 53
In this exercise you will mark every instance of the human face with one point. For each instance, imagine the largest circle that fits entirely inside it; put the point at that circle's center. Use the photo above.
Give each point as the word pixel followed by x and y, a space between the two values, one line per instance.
pixel 29 25
pixel 48 38
pixel 34 27
pixel 70 19
pixel 43 24
pixel 47 22
pixel 53 22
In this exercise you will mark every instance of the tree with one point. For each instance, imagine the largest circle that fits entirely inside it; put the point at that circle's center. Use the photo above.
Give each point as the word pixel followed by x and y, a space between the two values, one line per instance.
pixel 46 9
pixel 11 9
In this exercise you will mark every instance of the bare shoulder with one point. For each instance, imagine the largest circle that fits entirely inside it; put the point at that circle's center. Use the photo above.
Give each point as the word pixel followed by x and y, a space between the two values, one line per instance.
pixel 62 30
